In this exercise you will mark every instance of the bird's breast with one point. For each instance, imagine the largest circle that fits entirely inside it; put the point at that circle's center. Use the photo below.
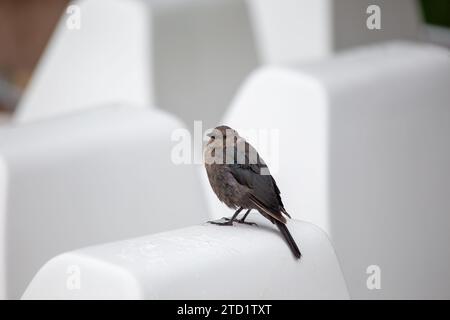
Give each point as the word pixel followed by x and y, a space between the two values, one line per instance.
pixel 224 185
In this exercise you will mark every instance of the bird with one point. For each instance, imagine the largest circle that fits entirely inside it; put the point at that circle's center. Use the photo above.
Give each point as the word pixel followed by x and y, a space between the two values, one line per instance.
pixel 241 180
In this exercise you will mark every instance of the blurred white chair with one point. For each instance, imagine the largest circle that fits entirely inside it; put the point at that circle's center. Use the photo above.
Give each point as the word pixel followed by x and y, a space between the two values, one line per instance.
pixel 187 56
pixel 91 177
pixel 289 31
pixel 199 262
pixel 106 61
pixel 364 153
pixel 190 56
pixel 65 176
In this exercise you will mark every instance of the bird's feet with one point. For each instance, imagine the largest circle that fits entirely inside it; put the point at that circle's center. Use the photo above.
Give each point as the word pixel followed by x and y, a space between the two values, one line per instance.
pixel 245 222
pixel 227 222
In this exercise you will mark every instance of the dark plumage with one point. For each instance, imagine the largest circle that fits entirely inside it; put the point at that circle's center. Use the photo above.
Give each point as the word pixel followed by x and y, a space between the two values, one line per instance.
pixel 235 170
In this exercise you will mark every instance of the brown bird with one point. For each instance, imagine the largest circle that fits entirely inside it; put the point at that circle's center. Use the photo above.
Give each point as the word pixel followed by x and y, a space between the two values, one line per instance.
pixel 240 179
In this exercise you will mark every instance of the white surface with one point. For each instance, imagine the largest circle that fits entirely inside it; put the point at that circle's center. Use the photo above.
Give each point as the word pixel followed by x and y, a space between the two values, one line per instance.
pixel 199 262
pixel 364 147
pixel 107 61
pixel 84 179
pixel 185 56
pixel 292 30
pixel 297 30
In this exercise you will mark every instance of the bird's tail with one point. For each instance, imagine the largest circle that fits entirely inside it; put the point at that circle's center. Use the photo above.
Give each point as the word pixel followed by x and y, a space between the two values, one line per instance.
pixel 287 235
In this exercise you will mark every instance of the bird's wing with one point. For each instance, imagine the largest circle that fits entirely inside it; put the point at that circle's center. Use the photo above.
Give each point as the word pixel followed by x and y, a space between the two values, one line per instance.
pixel 274 214
pixel 255 163
pixel 264 194
pixel 277 191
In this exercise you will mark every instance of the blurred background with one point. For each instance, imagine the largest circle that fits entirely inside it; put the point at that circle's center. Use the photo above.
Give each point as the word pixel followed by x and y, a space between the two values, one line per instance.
pixel 361 85
pixel 27 25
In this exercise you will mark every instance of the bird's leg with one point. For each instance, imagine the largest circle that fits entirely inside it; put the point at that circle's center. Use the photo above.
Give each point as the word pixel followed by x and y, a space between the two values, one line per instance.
pixel 245 216
pixel 229 222
pixel 242 220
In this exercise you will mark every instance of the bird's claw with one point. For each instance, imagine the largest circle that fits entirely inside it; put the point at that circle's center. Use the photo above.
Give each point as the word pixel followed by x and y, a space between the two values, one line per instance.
pixel 248 223
pixel 227 222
